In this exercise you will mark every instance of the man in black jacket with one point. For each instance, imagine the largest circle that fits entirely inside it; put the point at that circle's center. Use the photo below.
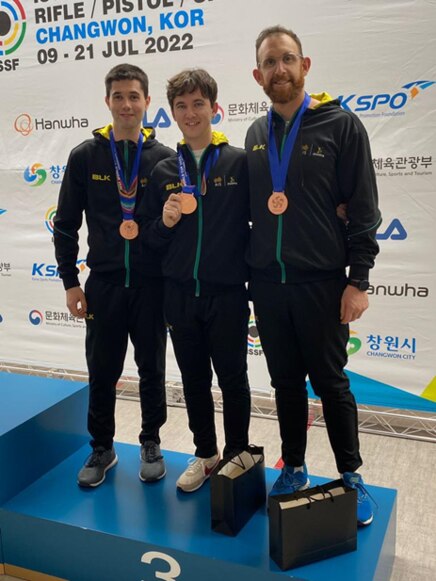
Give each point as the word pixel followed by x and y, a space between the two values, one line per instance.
pixel 198 212
pixel 306 158
pixel 107 177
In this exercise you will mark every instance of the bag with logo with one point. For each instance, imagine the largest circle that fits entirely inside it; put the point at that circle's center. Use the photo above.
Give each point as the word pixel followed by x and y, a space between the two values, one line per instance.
pixel 237 490
pixel 312 524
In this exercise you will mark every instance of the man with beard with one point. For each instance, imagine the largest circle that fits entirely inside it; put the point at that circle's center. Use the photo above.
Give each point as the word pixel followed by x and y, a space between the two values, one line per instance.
pixel 306 158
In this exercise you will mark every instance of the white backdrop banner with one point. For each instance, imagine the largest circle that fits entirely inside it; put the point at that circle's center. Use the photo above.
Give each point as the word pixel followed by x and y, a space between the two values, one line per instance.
pixel 378 57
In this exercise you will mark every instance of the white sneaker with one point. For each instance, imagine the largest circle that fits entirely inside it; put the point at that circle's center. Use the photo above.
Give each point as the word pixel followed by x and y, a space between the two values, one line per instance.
pixel 197 473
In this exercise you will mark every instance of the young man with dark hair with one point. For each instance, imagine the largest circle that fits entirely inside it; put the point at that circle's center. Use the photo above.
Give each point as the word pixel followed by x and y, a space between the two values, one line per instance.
pixel 106 178
pixel 306 158
pixel 198 212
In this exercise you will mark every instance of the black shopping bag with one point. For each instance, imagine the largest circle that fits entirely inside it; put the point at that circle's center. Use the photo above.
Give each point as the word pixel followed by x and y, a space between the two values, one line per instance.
pixel 313 524
pixel 237 490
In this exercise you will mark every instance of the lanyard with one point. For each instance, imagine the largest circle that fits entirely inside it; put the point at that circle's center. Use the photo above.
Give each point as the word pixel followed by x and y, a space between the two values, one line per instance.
pixel 127 191
pixel 279 167
pixel 187 187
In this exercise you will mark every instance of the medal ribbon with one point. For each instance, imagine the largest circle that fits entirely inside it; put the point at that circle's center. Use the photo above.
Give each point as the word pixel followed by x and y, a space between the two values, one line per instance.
pixel 187 187
pixel 279 166
pixel 127 191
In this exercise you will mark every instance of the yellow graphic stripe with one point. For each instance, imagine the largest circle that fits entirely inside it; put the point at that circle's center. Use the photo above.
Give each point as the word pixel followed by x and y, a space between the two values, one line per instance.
pixel 27 574
pixel 430 391
pixel 14 34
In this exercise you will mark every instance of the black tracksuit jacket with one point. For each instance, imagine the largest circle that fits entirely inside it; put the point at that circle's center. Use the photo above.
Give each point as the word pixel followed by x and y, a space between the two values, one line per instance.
pixel 331 163
pixel 206 253
pixel 89 185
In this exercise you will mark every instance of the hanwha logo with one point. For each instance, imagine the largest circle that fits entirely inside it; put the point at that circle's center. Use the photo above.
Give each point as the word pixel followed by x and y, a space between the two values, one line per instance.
pixel 49 217
pixel 12 26
pixel 23 124
pixel 35 317
pixel 219 116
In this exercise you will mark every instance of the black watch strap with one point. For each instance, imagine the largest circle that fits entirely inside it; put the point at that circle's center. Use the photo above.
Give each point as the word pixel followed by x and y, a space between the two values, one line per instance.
pixel 362 285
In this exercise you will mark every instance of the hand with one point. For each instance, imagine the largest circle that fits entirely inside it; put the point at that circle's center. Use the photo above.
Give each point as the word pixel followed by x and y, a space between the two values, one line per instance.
pixel 341 213
pixel 354 303
pixel 172 211
pixel 76 302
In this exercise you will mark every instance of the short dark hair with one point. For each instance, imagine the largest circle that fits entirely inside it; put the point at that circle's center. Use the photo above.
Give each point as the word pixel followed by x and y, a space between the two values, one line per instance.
pixel 126 72
pixel 189 81
pixel 266 32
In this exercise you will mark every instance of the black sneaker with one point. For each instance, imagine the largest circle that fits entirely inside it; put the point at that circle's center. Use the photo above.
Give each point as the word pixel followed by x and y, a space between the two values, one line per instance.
pixel 152 463
pixel 97 464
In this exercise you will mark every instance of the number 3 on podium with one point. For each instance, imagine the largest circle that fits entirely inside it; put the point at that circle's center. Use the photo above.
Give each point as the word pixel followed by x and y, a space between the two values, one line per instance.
pixel 174 570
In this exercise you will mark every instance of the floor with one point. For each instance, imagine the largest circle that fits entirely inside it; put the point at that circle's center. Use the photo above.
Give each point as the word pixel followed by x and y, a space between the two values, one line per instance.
pixel 408 466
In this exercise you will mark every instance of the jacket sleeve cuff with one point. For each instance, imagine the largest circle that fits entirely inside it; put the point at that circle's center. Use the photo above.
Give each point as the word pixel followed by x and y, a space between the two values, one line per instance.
pixel 164 231
pixel 70 282
pixel 358 272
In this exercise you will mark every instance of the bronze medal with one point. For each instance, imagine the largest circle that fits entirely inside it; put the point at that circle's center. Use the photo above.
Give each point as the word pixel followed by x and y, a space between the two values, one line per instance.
pixel 129 229
pixel 277 203
pixel 189 203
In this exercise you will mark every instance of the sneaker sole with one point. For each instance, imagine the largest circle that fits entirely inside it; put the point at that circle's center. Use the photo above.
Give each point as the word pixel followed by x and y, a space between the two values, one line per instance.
pixel 196 487
pixel 95 484
pixel 152 479
pixel 365 522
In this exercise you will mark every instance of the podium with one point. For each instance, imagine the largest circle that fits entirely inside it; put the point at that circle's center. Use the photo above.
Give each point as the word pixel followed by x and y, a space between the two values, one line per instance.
pixel 126 530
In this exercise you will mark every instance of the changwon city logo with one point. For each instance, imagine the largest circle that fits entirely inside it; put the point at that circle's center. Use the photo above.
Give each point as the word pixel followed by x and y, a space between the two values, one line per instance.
pixel 35 175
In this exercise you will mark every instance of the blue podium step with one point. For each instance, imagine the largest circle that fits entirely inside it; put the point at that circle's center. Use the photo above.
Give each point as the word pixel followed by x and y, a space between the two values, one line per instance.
pixel 128 530
pixel 42 421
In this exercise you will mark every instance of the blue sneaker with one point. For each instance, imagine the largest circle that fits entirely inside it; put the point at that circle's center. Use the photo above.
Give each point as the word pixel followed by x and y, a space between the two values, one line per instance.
pixel 364 509
pixel 290 481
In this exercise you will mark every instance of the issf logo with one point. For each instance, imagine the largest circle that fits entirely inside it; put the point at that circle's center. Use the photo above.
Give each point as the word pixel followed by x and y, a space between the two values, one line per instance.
pixel 35 317
pixel 12 26
pixel 35 175
pixel 49 217
pixel 394 101
pixel 253 338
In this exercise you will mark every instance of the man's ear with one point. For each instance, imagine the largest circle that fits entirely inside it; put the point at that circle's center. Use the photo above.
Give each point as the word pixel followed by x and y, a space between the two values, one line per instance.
pixel 306 65
pixel 258 77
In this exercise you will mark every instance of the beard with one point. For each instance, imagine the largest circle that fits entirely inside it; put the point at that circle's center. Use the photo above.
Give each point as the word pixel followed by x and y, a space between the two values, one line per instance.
pixel 284 93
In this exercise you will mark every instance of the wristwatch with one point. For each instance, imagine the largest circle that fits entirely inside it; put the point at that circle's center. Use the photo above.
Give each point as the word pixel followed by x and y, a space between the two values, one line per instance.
pixel 362 285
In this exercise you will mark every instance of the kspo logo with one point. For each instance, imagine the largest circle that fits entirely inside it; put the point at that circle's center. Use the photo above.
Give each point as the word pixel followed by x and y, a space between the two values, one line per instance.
pixel 393 101
pixel 43 271
pixel 395 231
